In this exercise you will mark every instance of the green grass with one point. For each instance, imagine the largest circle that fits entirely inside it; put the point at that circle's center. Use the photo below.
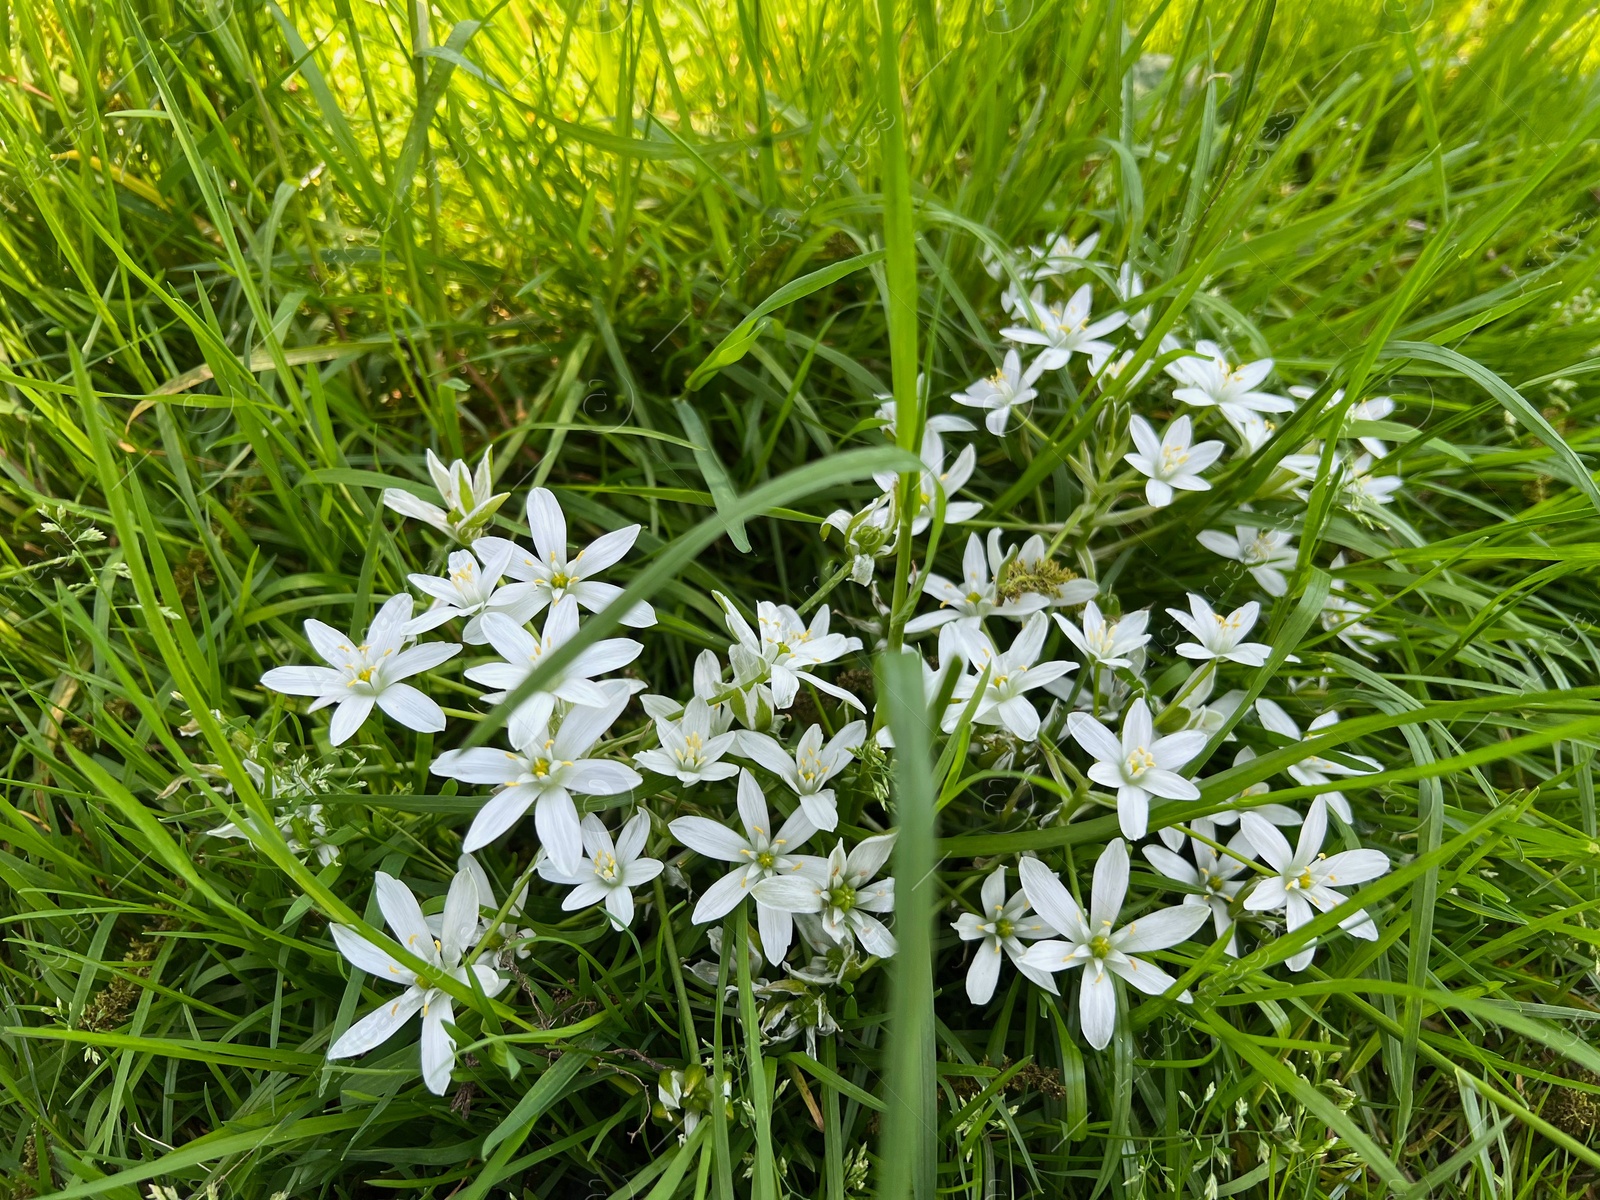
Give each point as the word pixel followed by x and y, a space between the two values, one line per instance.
pixel 253 261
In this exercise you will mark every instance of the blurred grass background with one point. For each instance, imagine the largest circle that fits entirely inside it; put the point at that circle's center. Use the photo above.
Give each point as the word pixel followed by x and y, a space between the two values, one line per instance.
pixel 252 258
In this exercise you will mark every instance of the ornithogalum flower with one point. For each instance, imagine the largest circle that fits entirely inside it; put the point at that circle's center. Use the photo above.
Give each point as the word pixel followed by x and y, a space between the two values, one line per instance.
pixel 811 769
pixel 470 500
pixel 1265 553
pixel 761 852
pixel 1012 674
pixel 1171 461
pixel 842 891
pixel 1214 875
pixel 1305 879
pixel 1140 765
pixel 1106 643
pixel 937 484
pixel 611 871
pixel 1000 931
pixel 1096 944
pixel 1314 769
pixel 544 769
pixel 974 596
pixel 443 954
pixel 689 750
pixel 1209 378
pixel 548 572
pixel 468 589
pixel 1066 329
pixel 1220 637
pixel 358 677
pixel 789 648
pixel 1009 387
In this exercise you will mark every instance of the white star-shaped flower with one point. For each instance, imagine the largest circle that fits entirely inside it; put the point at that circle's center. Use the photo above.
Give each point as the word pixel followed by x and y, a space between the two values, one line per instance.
pixel 1106 643
pixel 358 677
pixel 937 483
pixel 548 573
pixel 762 852
pixel 1095 944
pixel 999 931
pixel 689 750
pixel 458 934
pixel 1265 553
pixel 1170 462
pixel 1214 874
pixel 1314 769
pixel 1220 637
pixel 811 769
pixel 1140 765
pixel 470 500
pixel 1307 879
pixel 523 652
pixel 1209 378
pixel 1066 329
pixel 543 771
pixel 611 871
pixel 1009 387
pixel 975 596
pixel 842 891
pixel 1011 675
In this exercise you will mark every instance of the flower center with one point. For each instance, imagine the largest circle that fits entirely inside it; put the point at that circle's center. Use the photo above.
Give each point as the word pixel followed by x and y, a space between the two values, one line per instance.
pixel 766 860
pixel 1140 761
pixel 1100 946
pixel 1004 928
pixel 842 897
pixel 1303 883
pixel 1173 457
pixel 605 866
pixel 561 580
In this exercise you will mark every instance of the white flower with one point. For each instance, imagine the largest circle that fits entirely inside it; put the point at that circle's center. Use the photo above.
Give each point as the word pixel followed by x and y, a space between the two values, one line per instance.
pixel 761 853
pixel 1253 429
pixel 689 751
pixel 977 595
pixel 1278 814
pixel 937 483
pixel 1094 943
pixel 469 589
pixel 458 934
pixel 1170 462
pixel 1213 873
pixel 469 498
pixel 1011 676
pixel 840 889
pixel 789 648
pixel 549 574
pixel 1307 878
pixel 1106 644
pixel 1006 389
pixel 812 767
pixel 1065 329
pixel 611 872
pixel 1220 636
pixel 1141 765
pixel 1265 553
pixel 1001 928
pixel 523 652
pixel 542 772
pixel 1209 378
pixel 1060 256
pixel 358 677
pixel 1314 769
pixel 708 685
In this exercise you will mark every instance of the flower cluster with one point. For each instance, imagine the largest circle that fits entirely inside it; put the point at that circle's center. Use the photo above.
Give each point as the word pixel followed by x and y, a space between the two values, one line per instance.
pixel 762 783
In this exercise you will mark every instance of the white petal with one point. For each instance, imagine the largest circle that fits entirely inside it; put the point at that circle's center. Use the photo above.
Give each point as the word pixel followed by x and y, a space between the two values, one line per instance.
pixel 411 708
pixel 438 1051
pixel 984 971
pixel 377 1026
pixel 1097 1006
pixel 348 716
